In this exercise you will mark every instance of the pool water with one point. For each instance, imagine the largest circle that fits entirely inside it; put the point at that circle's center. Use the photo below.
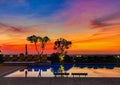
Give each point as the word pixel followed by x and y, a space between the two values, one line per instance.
pixel 93 70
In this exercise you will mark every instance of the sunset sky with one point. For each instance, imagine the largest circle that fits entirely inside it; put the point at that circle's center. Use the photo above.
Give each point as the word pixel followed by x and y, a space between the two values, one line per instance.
pixel 93 26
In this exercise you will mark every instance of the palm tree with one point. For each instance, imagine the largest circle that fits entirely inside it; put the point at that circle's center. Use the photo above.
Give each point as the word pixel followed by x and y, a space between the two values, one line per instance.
pixel 43 42
pixel 61 45
pixel 33 39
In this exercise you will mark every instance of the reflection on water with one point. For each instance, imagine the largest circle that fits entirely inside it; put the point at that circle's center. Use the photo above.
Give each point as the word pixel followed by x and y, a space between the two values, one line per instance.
pixel 93 70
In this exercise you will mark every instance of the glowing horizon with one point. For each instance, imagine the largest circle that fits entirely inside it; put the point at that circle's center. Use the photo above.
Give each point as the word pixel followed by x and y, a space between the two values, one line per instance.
pixel 93 26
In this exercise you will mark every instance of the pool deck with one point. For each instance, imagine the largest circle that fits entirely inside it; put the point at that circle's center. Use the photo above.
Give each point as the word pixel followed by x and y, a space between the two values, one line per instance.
pixel 59 81
pixel 4 70
pixel 53 80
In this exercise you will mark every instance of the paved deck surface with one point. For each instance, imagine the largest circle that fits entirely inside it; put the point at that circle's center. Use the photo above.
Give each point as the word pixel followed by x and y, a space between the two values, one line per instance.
pixel 8 69
pixel 59 81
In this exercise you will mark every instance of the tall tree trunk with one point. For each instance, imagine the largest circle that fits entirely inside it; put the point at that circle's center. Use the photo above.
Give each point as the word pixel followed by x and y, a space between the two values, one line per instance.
pixel 42 51
pixel 36 49
pixel 41 54
pixel 43 47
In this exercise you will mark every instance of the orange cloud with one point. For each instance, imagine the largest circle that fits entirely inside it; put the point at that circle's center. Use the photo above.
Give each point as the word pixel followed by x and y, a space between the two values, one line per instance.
pixel 102 40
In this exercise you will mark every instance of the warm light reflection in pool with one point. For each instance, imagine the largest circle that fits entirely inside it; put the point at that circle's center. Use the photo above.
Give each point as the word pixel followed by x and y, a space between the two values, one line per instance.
pixel 101 72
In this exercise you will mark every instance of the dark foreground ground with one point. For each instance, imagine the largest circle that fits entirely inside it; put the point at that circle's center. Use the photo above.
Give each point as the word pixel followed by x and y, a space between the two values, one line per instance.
pixel 59 81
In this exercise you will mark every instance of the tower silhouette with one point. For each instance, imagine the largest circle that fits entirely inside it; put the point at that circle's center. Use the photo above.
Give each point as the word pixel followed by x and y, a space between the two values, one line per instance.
pixel 26 51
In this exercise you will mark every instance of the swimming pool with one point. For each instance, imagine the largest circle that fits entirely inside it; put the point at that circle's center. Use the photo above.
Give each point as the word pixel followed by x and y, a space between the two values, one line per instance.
pixel 93 70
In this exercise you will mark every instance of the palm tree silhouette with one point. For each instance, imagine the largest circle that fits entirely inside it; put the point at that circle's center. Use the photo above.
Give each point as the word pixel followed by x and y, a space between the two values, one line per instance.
pixel 61 45
pixel 34 39
pixel 43 41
